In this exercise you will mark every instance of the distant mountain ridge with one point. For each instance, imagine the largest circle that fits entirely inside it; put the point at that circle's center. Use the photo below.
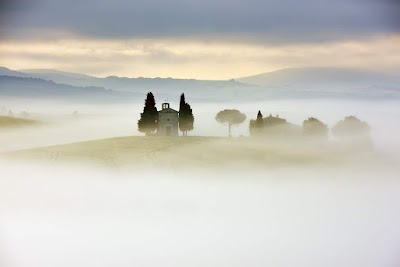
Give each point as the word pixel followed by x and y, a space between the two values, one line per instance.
pixel 164 88
pixel 320 78
pixel 286 83
pixel 13 86
pixel 122 83
pixel 54 72
pixel 8 72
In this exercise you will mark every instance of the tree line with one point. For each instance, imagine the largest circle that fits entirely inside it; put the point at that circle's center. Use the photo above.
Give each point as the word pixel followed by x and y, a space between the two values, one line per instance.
pixel 349 129
pixel 346 129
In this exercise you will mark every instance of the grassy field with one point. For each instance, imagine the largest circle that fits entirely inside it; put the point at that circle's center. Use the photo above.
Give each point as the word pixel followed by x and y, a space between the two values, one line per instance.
pixel 201 152
pixel 10 122
pixel 138 151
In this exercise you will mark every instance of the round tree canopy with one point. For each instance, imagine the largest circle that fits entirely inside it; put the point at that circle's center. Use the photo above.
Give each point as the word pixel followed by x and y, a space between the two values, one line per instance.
pixel 230 116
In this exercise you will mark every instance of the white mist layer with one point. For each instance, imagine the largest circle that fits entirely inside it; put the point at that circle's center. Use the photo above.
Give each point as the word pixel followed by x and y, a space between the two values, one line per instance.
pixel 106 121
pixel 63 215
pixel 53 216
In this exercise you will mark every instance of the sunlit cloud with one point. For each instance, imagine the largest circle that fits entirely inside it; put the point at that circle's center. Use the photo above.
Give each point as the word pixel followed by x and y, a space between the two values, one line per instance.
pixel 198 39
pixel 186 58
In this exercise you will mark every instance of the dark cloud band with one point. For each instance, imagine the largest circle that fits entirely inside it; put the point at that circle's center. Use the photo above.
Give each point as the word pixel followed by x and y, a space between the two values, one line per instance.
pixel 269 21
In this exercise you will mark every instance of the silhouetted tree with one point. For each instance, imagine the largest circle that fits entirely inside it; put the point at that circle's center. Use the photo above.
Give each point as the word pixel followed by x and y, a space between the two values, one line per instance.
pixel 149 118
pixel 186 118
pixel 259 121
pixel 314 127
pixel 230 117
pixel 353 131
pixel 182 102
pixel 256 126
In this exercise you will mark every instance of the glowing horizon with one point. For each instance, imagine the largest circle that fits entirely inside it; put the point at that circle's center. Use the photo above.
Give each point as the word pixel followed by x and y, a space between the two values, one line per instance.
pixel 194 59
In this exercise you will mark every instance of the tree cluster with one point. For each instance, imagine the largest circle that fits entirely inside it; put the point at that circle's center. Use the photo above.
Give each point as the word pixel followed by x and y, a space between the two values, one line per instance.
pixel 315 128
pixel 350 126
pixel 353 132
pixel 350 129
pixel 268 125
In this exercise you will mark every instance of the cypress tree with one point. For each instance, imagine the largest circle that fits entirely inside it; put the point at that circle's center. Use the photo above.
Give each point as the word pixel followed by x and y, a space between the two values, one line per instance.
pixel 259 121
pixel 148 121
pixel 182 103
pixel 186 118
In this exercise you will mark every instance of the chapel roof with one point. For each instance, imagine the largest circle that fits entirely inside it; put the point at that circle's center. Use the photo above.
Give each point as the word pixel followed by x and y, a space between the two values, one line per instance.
pixel 168 110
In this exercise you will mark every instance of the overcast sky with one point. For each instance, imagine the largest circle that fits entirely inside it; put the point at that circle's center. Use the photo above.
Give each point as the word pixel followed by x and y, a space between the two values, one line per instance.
pixel 208 39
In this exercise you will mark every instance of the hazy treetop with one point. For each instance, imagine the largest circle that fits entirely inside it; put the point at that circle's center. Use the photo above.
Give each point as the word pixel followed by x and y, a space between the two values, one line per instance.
pixel 230 116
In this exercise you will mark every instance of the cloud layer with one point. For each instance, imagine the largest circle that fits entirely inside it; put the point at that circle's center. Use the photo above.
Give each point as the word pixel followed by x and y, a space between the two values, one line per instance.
pixel 268 21
pixel 183 58
pixel 205 39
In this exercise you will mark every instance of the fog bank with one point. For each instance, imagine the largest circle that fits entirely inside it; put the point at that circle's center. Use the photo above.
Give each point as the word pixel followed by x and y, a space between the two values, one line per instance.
pixel 340 213
pixel 52 216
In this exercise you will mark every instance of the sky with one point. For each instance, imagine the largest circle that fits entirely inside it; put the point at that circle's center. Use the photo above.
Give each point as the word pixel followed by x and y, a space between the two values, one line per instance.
pixel 201 39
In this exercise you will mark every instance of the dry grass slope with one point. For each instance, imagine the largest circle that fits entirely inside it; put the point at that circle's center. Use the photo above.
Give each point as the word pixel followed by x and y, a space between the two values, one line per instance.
pixel 201 152
pixel 10 122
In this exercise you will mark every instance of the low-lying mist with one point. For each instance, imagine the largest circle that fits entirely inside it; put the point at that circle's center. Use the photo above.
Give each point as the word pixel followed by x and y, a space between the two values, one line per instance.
pixel 211 201
pixel 56 216
pixel 108 120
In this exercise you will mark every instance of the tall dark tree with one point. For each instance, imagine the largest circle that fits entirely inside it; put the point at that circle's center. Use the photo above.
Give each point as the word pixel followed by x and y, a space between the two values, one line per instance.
pixel 148 121
pixel 256 126
pixel 259 121
pixel 186 118
pixel 182 102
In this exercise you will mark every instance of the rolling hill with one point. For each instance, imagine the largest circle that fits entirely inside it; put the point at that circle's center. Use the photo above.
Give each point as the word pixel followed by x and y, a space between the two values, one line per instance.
pixel 323 79
pixel 287 83
pixel 12 122
pixel 182 153
pixel 11 86
pixel 160 86
pixel 164 88
pixel 7 72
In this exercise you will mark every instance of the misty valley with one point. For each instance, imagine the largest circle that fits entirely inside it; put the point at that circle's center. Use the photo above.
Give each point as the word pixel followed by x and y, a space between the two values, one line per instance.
pixel 199 133
pixel 109 134
pixel 154 179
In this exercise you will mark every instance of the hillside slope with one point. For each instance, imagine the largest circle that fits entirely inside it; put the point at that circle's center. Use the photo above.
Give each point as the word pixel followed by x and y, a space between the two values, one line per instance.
pixel 10 122
pixel 38 88
pixel 190 152
pixel 288 83
pixel 321 78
